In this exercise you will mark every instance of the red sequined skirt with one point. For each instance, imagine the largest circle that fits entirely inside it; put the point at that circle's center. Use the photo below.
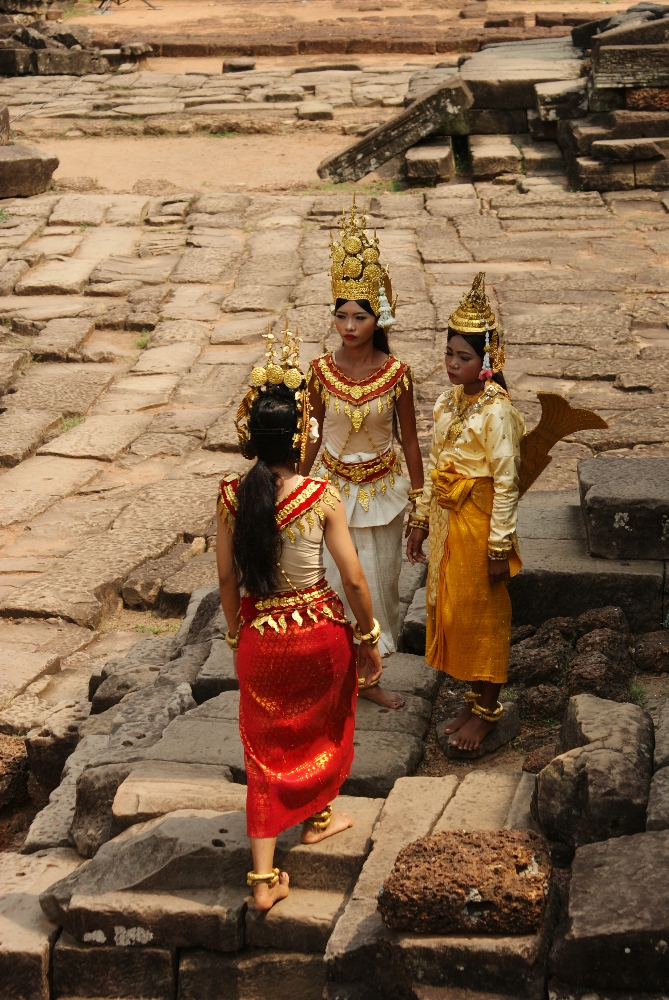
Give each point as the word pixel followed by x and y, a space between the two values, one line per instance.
pixel 297 672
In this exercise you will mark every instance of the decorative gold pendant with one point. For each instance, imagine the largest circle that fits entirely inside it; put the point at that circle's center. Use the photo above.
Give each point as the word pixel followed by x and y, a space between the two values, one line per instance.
pixel 356 419
pixel 363 498
pixel 455 430
pixel 297 617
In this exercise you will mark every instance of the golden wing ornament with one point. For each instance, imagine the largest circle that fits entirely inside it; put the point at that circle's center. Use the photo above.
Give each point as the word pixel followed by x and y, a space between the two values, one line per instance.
pixel 558 419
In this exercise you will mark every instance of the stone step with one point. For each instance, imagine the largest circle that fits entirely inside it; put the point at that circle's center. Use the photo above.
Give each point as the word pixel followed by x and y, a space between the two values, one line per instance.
pixel 80 970
pixel 281 975
pixel 482 802
pixel 302 922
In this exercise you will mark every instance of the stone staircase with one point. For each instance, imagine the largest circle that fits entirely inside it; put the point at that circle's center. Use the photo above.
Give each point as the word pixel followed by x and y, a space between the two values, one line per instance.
pixel 162 909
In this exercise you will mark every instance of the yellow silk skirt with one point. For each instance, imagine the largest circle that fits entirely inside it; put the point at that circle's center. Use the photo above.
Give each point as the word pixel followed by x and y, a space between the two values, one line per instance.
pixel 468 617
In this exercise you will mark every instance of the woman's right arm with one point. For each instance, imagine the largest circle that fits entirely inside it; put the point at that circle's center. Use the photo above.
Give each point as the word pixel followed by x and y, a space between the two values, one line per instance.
pixel 317 411
pixel 342 550
pixel 227 578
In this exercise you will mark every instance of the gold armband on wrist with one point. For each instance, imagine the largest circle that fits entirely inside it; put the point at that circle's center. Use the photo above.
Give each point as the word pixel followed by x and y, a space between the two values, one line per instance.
pixel 371 638
pixel 232 640
pixel 419 521
pixel 499 554
pixel 415 494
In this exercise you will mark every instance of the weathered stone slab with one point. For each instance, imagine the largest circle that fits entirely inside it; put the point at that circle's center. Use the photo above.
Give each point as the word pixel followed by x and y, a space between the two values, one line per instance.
pixel 381 758
pixel 413 718
pixel 18 669
pixel 22 431
pixel 630 66
pixel 56 277
pixel 81 969
pixel 504 76
pixel 507 729
pixel 630 149
pixel 216 674
pixel 172 332
pixel 67 389
pixel 174 359
pixel 60 338
pixel 612 938
pixel 597 787
pixel 197 572
pixel 138 392
pixel 561 100
pixel 51 826
pixel 464 882
pixel 403 131
pixel 25 170
pixel 303 922
pixel 657 815
pixel 100 437
pixel 625 507
pixel 201 741
pixel 187 505
pixel 492 155
pixel 143 586
pixel 155 788
pixel 431 161
pixel 26 935
pixel 481 802
pixel 292 975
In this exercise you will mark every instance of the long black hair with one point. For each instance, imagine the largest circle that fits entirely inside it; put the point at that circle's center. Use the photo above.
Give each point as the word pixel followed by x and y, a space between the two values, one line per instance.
pixel 477 343
pixel 256 541
pixel 380 342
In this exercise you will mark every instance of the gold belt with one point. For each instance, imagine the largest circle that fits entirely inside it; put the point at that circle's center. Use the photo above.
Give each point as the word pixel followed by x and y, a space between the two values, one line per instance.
pixel 361 472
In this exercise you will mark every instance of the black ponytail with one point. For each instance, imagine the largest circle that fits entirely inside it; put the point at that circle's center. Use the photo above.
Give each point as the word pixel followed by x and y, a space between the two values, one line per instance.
pixel 380 342
pixel 477 344
pixel 256 541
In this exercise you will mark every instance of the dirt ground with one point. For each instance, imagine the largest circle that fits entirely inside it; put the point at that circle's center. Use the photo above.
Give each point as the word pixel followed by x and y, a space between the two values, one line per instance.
pixel 215 163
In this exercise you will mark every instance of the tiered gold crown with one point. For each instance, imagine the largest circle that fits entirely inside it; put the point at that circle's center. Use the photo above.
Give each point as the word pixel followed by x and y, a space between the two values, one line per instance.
pixel 281 370
pixel 474 316
pixel 356 272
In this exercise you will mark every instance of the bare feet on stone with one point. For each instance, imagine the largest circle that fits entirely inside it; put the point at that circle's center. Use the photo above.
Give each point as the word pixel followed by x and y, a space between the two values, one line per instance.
pixel 338 823
pixel 265 896
pixel 457 724
pixel 379 695
pixel 472 734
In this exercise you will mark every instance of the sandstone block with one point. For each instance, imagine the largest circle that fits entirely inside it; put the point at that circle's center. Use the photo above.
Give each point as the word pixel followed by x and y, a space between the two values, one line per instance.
pixel 612 938
pixel 26 935
pixel 507 729
pixel 504 76
pixel 60 338
pixel 121 683
pixel 18 669
pixel 84 970
pixel 657 815
pixel 143 586
pixel 379 760
pixel 197 572
pixel 561 100
pixel 597 786
pixel 413 629
pixel 222 435
pixel 22 431
pixel 431 160
pixel 216 674
pixel 303 923
pixel 293 975
pixel 628 149
pixel 482 802
pixel 25 170
pixel 652 173
pixel 201 741
pixel 459 882
pixel 315 110
pixel 404 130
pixel 50 746
pixel 100 437
pixel 175 359
pixel 56 277
pixel 590 174
pixel 631 66
pixel 492 155
pixel 155 788
pixel 624 508
pixel 414 718
pixel 66 389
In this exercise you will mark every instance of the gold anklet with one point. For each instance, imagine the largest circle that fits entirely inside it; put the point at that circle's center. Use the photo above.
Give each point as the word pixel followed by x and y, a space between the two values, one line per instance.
pixel 365 687
pixel 322 820
pixel 252 879
pixel 488 714
pixel 471 697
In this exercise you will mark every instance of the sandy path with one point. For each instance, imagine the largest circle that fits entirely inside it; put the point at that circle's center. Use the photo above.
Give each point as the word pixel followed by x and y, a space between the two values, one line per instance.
pixel 253 162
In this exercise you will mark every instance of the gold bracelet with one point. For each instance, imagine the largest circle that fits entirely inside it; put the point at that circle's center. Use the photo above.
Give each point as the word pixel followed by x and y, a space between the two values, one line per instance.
pixel 498 555
pixel 419 521
pixel 414 494
pixel 232 640
pixel 371 638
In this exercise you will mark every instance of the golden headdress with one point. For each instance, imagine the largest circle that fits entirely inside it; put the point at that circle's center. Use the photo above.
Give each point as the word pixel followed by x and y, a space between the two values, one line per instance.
pixel 474 316
pixel 284 370
pixel 356 272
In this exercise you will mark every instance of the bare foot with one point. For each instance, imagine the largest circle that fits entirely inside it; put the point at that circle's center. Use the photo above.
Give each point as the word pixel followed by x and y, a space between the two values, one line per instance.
pixel 265 897
pixel 472 734
pixel 387 699
pixel 338 823
pixel 464 717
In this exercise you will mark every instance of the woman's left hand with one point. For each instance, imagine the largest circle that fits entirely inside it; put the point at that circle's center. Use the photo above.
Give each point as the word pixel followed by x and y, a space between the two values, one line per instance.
pixel 369 663
pixel 498 570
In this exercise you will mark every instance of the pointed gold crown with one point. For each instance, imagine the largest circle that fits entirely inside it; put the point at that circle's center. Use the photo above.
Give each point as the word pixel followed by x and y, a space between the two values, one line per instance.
pixel 474 314
pixel 356 272
pixel 475 317
pixel 281 370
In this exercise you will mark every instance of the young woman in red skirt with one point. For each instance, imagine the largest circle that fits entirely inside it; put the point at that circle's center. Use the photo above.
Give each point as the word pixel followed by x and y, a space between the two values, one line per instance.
pixel 297 665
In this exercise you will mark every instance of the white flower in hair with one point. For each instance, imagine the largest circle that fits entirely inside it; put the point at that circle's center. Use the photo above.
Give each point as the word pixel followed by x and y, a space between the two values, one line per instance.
pixel 313 429
pixel 386 317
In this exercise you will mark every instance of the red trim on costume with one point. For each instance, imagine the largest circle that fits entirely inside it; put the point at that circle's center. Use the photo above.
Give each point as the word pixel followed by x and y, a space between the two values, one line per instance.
pixel 379 382
pixel 289 509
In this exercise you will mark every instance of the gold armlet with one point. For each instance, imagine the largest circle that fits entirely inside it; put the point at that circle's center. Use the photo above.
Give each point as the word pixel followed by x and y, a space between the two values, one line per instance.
pixel 415 494
pixel 371 638
pixel 488 714
pixel 499 554
pixel 419 521
pixel 271 879
pixel 322 820
pixel 232 640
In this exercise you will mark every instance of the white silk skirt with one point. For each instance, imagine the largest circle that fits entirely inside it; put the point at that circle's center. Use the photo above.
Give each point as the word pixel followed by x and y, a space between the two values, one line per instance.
pixel 379 549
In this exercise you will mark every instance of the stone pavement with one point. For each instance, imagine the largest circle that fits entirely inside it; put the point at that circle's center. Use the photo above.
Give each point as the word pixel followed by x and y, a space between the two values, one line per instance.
pixel 130 324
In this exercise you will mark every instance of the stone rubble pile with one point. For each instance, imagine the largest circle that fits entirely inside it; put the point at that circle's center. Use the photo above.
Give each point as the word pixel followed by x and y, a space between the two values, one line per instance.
pixel 48 48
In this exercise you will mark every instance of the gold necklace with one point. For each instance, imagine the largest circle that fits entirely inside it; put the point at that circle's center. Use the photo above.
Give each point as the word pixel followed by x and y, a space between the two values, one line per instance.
pixel 462 405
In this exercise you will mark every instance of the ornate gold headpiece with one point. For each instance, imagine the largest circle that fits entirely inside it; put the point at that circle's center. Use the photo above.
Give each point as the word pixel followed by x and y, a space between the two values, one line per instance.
pixel 356 272
pixel 474 316
pixel 284 370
